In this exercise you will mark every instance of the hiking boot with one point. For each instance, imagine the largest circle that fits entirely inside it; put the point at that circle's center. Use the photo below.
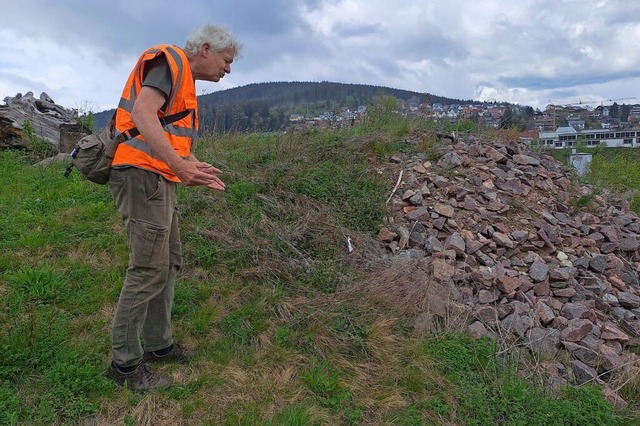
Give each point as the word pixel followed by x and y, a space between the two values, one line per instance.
pixel 177 353
pixel 140 379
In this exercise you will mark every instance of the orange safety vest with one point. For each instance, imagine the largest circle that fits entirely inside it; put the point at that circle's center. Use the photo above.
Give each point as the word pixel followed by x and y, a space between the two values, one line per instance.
pixel 181 134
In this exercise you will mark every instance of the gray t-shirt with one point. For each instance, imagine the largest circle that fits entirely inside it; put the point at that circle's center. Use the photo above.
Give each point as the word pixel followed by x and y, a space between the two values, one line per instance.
pixel 157 74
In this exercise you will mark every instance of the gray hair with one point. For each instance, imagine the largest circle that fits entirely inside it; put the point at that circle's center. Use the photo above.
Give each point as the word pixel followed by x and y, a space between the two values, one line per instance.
pixel 217 37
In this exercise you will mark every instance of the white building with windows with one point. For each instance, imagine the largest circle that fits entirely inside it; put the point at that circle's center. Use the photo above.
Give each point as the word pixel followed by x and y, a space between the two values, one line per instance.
pixel 568 137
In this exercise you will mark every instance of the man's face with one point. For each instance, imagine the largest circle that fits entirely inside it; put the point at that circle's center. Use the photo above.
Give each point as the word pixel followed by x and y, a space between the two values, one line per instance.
pixel 218 64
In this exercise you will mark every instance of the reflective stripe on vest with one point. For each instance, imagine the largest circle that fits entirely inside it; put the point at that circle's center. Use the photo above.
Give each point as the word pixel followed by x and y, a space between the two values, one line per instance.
pixel 180 134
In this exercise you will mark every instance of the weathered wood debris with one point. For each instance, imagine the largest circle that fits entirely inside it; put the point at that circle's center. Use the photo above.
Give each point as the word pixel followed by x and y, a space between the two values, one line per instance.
pixel 47 120
pixel 536 258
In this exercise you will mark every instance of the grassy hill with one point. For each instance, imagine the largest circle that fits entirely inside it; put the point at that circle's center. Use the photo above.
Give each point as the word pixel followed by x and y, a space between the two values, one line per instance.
pixel 286 330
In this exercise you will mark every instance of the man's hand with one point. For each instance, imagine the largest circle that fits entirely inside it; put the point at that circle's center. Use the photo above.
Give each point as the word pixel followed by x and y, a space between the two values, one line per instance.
pixel 193 173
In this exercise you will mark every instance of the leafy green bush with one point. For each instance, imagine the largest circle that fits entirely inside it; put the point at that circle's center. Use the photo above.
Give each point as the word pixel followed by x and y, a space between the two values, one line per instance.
pixel 381 112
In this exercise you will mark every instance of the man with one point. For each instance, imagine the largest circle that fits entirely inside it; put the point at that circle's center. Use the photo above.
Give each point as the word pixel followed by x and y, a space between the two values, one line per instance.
pixel 145 171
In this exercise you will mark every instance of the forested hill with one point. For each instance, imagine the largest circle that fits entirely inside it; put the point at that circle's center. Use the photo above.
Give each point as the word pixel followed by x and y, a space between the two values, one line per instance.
pixel 280 94
pixel 267 106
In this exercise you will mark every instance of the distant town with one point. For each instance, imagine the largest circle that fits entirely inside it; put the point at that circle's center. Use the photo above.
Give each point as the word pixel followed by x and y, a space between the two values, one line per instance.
pixel 558 126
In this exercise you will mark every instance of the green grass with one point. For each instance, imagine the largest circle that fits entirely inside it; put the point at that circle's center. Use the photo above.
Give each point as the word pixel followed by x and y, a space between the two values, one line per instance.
pixel 612 169
pixel 268 295
pixel 617 169
pixel 490 391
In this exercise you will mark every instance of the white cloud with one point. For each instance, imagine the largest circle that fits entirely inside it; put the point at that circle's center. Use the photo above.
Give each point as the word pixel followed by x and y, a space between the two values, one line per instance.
pixel 73 77
pixel 527 52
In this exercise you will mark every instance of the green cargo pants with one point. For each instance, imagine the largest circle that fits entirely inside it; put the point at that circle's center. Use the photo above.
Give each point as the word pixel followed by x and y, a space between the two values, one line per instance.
pixel 147 203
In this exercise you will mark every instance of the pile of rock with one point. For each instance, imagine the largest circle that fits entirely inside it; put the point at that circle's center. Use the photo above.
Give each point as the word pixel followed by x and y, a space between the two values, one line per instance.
pixel 538 260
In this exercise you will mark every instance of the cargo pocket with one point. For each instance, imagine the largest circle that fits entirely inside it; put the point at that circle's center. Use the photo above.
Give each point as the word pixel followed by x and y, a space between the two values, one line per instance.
pixel 149 244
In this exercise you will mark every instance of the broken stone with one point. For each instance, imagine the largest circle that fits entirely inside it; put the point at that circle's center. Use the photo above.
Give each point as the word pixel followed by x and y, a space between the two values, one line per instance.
pixel 576 330
pixel 611 332
pixel 629 244
pixel 477 330
pixel 456 243
pixel 614 399
pixel 525 160
pixel 416 199
pixel 507 284
pixel 408 194
pixel 385 235
pixel 503 240
pixel 417 213
pixel 628 300
pixel 450 160
pixel 519 256
pixel 575 310
pixel 562 273
pixel 517 324
pixel 520 235
pixel 487 314
pixel 544 313
pixel 542 289
pixel 538 271
pixel 583 373
pixel 566 293
pixel 444 210
pixel 544 342
pixel 486 296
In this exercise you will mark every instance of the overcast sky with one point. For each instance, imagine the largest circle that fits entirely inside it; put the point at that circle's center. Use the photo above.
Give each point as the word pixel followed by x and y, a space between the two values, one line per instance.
pixel 528 52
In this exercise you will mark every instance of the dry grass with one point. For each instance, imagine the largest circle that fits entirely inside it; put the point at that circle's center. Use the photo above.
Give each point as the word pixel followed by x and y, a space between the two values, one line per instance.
pixel 151 410
pixel 411 290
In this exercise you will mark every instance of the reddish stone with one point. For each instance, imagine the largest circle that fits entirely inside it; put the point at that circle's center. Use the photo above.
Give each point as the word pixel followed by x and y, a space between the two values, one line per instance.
pixel 576 330
pixel 611 332
pixel 508 284
pixel 542 289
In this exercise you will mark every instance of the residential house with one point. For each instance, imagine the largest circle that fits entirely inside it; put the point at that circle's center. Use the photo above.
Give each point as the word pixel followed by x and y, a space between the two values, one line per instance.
pixel 609 122
pixel 543 122
pixel 576 123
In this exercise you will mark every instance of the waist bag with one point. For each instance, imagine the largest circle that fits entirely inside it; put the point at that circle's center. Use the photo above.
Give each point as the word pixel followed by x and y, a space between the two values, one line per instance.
pixel 93 154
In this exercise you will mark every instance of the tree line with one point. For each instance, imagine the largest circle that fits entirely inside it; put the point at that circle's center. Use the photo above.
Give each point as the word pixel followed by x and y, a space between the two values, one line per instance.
pixel 268 106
